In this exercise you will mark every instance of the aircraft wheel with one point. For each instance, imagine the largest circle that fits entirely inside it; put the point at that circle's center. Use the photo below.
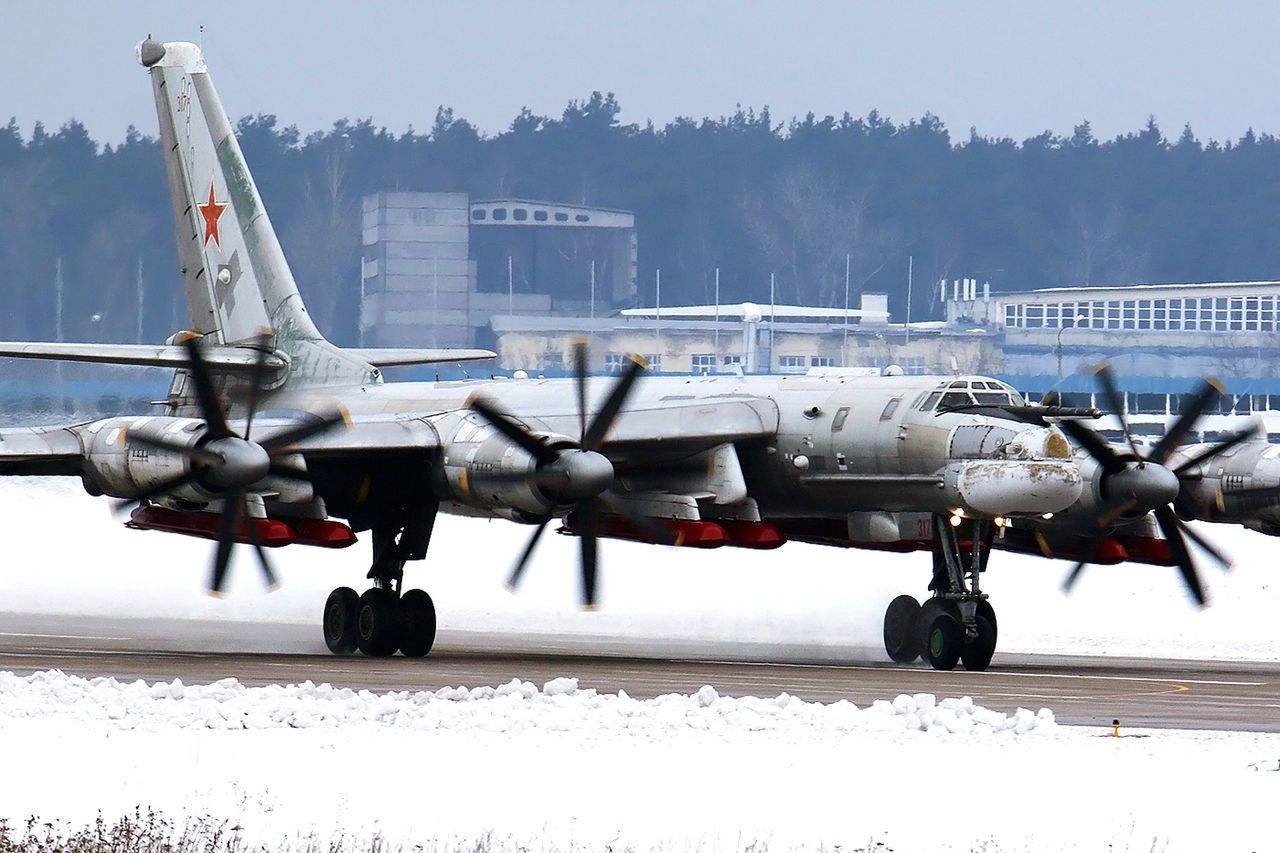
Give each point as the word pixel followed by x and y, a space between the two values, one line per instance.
pixel 976 655
pixel 417 623
pixel 945 642
pixel 986 611
pixel 900 629
pixel 340 633
pixel 378 622
pixel 930 610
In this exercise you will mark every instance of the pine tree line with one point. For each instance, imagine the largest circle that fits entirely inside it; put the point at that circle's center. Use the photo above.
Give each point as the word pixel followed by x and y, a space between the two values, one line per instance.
pixel 745 193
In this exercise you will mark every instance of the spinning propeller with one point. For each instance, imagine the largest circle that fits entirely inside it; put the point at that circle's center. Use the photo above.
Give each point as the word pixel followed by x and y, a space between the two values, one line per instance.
pixel 577 477
pixel 227 464
pixel 1134 483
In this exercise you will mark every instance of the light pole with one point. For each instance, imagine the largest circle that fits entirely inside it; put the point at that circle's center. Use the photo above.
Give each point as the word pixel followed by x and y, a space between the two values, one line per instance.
pixel 1075 321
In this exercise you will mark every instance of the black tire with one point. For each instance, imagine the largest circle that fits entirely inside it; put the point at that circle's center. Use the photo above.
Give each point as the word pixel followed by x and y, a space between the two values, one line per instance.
pixel 930 610
pixel 417 623
pixel 378 622
pixel 340 621
pixel 976 655
pixel 986 611
pixel 900 635
pixel 946 641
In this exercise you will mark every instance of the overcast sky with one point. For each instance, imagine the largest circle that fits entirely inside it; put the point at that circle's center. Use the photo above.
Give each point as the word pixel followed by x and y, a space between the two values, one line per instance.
pixel 1011 69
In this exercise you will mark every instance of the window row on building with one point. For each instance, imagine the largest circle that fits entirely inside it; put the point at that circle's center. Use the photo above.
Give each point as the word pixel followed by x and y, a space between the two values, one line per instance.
pixel 1173 404
pixel 1206 314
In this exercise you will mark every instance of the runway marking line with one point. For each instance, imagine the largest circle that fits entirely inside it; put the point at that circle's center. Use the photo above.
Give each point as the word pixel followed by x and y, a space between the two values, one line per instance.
pixel 24 634
pixel 988 674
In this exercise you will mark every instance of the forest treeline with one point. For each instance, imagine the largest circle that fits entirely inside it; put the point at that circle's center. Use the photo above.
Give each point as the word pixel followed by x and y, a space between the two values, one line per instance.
pixel 745 193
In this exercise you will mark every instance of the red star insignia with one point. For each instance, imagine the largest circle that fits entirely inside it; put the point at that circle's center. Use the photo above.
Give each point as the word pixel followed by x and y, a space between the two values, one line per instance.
pixel 211 211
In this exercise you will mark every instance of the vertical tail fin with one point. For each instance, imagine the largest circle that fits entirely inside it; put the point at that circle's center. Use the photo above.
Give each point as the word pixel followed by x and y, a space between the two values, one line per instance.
pixel 236 277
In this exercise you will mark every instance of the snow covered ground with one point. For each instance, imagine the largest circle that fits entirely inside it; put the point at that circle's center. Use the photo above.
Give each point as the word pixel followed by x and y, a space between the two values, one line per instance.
pixel 553 767
pixel 65 553
pixel 523 767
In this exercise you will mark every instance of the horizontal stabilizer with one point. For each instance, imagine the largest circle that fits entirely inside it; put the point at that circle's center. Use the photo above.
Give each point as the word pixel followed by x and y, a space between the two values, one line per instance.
pixel 393 357
pixel 141 355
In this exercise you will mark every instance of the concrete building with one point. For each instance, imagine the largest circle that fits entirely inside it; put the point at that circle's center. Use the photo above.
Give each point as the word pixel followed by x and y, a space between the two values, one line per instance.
pixel 748 337
pixel 438 266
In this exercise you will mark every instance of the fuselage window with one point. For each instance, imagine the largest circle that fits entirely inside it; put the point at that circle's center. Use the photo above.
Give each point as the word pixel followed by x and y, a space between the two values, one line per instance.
pixel 890 408
pixel 837 423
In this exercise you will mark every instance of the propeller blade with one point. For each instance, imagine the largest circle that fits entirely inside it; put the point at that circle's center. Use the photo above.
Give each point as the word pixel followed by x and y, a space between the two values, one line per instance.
pixel 204 457
pixel 580 379
pixel 586 522
pixel 613 404
pixel 161 488
pixel 288 472
pixel 651 529
pixel 226 539
pixel 1205 545
pixel 1095 445
pixel 210 404
pixel 1051 398
pixel 1231 441
pixel 1178 545
pixel 267 573
pixel 518 569
pixel 257 378
pixel 1116 401
pixel 282 440
pixel 516 433
pixel 1069 582
pixel 1116 508
pixel 1169 442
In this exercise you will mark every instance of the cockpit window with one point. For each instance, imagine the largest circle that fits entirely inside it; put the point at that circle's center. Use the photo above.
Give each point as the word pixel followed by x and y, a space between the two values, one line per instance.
pixel 931 401
pixel 952 399
pixel 992 398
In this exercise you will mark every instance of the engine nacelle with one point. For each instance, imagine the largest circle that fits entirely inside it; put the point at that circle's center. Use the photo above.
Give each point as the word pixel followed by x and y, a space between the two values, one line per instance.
pixel 482 468
pixel 1252 465
pixel 120 469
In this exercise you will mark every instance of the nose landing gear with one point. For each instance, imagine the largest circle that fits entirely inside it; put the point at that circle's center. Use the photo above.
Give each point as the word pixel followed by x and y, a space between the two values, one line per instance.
pixel 958 624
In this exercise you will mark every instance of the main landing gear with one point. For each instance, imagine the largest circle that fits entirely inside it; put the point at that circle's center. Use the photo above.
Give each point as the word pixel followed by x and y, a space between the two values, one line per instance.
pixel 957 624
pixel 384 618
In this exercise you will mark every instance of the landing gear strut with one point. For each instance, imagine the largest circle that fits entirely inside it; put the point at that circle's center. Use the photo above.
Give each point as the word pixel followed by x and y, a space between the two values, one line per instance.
pixel 383 619
pixel 958 624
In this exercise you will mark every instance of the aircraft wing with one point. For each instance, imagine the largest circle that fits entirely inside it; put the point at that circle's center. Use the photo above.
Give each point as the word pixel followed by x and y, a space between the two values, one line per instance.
pixel 39 452
pixel 392 357
pixel 651 435
pixel 141 355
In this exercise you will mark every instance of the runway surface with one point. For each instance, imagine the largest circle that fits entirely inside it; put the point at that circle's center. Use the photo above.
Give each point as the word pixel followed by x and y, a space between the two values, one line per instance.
pixel 1080 690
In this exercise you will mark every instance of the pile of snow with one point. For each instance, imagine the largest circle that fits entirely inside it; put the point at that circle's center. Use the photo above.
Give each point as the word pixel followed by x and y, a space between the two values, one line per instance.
pixel 558 767
pixel 518 706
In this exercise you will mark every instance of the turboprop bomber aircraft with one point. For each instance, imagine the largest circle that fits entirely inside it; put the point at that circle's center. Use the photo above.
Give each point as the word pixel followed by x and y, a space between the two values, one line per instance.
pixel 271 436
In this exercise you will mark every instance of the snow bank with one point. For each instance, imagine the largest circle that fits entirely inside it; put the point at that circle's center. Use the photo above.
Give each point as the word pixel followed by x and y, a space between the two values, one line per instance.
pixel 554 766
pixel 518 706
